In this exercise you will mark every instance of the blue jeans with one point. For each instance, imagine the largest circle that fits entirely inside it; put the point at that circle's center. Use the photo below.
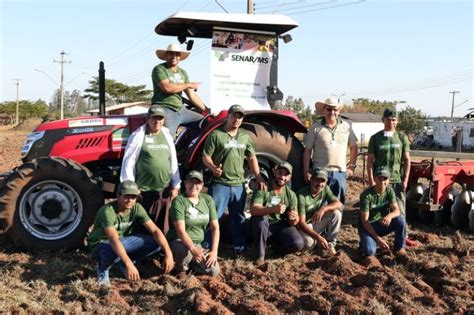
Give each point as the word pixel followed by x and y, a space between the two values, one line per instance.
pixel 232 198
pixel 138 247
pixel 368 245
pixel 286 238
pixel 337 183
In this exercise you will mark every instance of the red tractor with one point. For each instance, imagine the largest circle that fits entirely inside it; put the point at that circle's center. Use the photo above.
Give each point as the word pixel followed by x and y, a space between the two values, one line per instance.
pixel 70 166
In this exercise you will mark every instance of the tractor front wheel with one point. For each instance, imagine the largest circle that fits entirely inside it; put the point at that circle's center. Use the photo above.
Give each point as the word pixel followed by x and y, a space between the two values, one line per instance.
pixel 49 203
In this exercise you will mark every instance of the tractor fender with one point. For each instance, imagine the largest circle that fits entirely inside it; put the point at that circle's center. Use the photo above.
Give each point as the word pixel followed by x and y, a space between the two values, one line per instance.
pixel 281 118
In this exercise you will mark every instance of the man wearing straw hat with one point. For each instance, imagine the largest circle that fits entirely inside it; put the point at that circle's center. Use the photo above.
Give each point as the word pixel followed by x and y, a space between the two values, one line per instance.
pixel 327 141
pixel 169 81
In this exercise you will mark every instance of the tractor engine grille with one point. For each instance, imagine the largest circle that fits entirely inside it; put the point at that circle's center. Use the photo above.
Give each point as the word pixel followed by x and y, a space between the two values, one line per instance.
pixel 90 142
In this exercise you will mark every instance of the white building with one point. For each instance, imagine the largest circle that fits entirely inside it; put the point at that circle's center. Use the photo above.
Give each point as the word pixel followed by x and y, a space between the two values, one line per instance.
pixel 443 131
pixel 364 125
pixel 124 109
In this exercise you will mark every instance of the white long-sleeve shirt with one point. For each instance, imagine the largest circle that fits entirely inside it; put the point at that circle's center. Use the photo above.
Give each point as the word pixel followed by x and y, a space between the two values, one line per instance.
pixel 132 152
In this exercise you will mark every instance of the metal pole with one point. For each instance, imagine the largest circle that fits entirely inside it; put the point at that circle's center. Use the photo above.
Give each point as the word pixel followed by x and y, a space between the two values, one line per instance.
pixel 250 7
pixel 62 62
pixel 62 84
pixel 17 121
pixel 452 104
pixel 101 89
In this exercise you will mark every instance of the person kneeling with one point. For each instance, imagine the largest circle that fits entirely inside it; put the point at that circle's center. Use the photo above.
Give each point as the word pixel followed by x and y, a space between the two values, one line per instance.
pixel 380 216
pixel 111 241
pixel 190 214
pixel 274 215
pixel 319 212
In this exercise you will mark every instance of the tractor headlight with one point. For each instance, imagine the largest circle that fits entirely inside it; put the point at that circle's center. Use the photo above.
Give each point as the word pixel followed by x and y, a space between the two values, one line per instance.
pixel 30 140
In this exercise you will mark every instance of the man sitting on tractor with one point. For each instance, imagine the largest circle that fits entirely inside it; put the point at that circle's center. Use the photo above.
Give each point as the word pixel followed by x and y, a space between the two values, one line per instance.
pixel 169 81
pixel 112 240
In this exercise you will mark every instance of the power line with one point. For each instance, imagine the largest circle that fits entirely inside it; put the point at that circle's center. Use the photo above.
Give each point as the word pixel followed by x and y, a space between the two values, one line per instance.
pixel 274 4
pixel 290 11
pixel 444 79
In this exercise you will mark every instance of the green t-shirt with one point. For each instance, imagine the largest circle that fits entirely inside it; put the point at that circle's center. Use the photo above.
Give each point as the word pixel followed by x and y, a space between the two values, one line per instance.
pixel 107 216
pixel 270 199
pixel 230 152
pixel 388 152
pixel 154 163
pixel 163 72
pixel 377 206
pixel 196 217
pixel 307 204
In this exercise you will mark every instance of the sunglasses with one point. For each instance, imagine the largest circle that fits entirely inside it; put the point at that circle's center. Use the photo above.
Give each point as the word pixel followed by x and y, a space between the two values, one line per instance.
pixel 331 109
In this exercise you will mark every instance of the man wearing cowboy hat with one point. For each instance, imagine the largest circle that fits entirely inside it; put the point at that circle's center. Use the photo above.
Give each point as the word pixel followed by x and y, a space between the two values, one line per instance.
pixel 327 141
pixel 169 81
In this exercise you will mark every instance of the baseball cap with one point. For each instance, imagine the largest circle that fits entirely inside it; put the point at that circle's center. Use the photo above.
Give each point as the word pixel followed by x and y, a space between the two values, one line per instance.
pixel 389 113
pixel 128 187
pixel 194 174
pixel 236 109
pixel 155 111
pixel 286 166
pixel 383 172
pixel 320 173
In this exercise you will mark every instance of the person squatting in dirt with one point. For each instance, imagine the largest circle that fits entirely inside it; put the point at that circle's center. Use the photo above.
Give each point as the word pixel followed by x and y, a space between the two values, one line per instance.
pixel 169 81
pixel 390 149
pixel 380 216
pixel 326 142
pixel 224 153
pixel 319 211
pixel 190 214
pixel 274 215
pixel 112 241
pixel 150 160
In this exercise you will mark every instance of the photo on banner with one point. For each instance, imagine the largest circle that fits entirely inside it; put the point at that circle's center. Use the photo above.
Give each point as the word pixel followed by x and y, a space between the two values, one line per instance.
pixel 240 69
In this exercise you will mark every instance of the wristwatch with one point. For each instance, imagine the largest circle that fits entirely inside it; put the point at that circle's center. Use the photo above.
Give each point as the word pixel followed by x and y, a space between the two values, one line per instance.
pixel 353 165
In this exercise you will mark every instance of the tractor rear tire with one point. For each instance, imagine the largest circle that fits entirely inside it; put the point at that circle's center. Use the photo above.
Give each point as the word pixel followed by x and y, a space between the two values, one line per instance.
pixel 49 203
pixel 273 145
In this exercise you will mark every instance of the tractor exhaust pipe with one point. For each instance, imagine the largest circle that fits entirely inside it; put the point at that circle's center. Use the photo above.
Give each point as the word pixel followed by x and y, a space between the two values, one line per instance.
pixel 101 89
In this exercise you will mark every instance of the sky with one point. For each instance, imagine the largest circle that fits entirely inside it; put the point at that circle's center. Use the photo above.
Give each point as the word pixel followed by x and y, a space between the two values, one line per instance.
pixel 416 51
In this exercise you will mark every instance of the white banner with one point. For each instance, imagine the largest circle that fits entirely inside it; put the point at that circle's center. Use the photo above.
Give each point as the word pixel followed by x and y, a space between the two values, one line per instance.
pixel 240 69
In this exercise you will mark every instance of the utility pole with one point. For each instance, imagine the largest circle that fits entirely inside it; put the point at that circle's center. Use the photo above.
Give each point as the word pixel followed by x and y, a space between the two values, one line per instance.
pixel 17 121
pixel 452 104
pixel 62 62
pixel 250 7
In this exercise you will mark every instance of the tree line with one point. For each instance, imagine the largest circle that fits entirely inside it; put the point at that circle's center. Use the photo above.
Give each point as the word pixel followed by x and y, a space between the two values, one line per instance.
pixel 76 103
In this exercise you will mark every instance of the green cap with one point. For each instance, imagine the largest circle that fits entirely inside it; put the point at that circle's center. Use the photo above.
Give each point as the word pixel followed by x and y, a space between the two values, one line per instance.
pixel 387 113
pixel 320 173
pixel 236 109
pixel 128 187
pixel 285 165
pixel 194 174
pixel 383 172
pixel 155 110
